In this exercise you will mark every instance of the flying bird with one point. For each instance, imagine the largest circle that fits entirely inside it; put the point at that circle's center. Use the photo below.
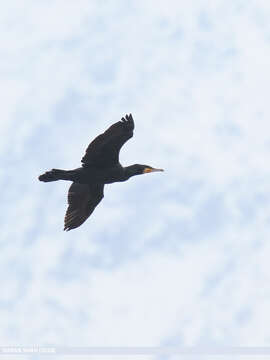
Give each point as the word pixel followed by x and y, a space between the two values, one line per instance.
pixel 100 166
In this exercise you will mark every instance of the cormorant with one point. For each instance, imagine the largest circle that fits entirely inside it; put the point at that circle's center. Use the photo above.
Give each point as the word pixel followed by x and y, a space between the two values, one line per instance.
pixel 100 166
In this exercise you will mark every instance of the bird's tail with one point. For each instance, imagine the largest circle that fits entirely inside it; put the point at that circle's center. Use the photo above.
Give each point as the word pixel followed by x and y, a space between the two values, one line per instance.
pixel 53 175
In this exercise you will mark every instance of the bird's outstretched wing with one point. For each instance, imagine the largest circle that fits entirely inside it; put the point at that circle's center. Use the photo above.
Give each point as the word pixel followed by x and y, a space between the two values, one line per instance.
pixel 82 200
pixel 103 151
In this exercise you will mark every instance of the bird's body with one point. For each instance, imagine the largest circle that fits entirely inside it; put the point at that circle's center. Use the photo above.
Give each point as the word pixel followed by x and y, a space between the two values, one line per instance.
pixel 100 166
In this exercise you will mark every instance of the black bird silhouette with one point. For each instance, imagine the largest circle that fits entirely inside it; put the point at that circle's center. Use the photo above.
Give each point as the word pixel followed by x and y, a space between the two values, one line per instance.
pixel 100 166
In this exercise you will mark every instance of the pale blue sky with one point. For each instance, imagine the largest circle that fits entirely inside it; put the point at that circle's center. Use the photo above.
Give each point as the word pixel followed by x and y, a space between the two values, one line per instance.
pixel 180 257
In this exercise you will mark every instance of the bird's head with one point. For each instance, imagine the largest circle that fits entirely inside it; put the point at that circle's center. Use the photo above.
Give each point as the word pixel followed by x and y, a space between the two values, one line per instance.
pixel 139 169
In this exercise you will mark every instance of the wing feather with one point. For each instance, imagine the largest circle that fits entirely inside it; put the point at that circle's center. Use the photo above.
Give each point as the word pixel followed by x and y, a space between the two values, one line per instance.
pixel 104 150
pixel 82 200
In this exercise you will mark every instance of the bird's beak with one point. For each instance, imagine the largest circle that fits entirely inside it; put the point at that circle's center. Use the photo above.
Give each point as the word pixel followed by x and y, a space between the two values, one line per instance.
pixel 148 170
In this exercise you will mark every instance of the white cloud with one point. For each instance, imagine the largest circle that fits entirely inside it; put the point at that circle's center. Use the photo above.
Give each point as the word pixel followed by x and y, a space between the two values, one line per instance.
pixel 173 257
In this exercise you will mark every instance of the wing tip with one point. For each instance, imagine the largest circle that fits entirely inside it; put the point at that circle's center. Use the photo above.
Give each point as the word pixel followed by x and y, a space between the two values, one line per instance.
pixel 128 121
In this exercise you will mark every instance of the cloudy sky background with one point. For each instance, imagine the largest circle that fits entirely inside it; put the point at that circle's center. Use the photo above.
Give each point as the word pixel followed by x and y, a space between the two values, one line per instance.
pixel 178 258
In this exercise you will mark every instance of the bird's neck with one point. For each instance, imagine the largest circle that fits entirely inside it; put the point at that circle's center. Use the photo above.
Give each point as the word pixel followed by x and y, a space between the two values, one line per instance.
pixel 130 171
